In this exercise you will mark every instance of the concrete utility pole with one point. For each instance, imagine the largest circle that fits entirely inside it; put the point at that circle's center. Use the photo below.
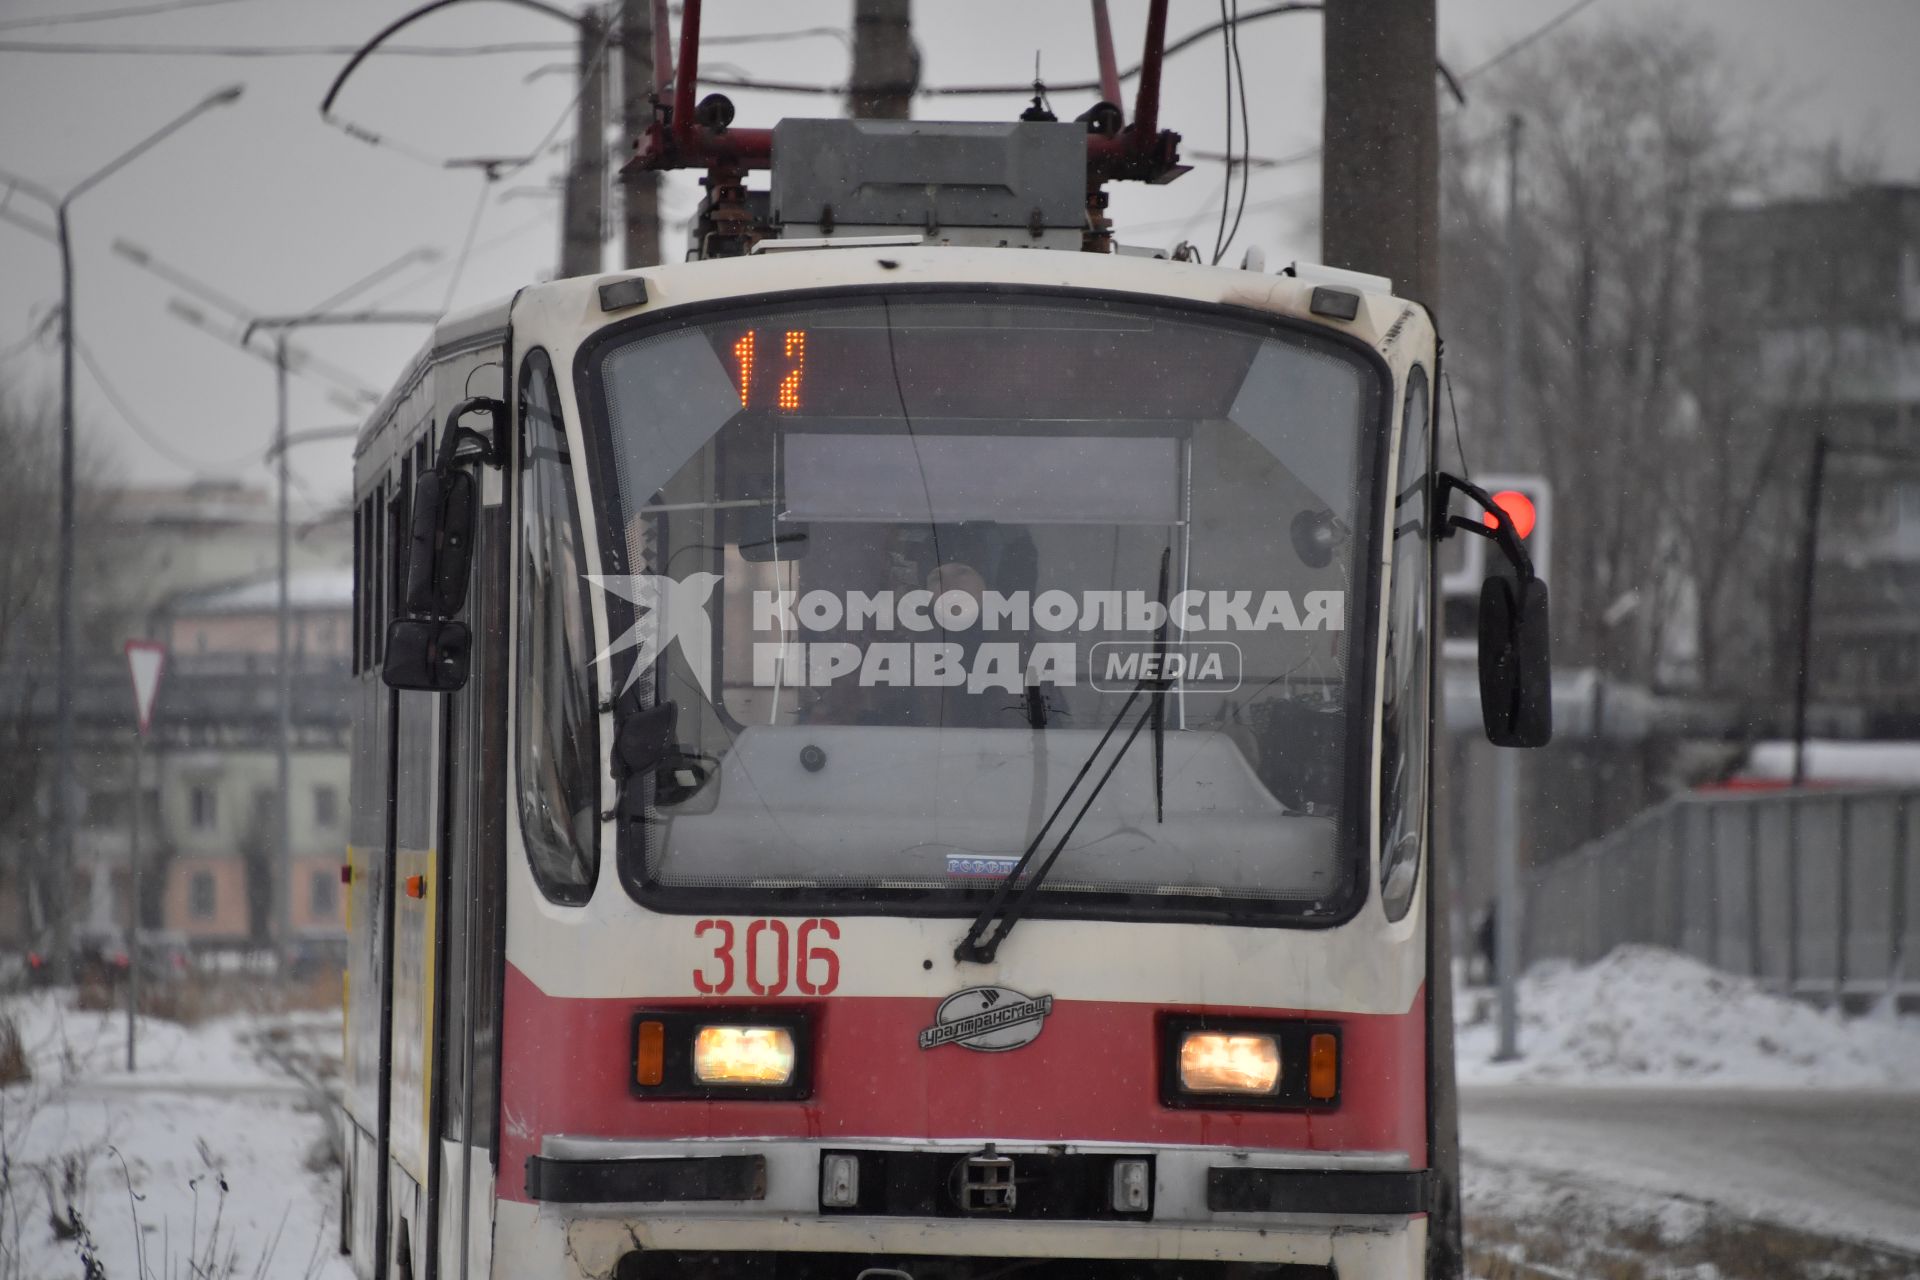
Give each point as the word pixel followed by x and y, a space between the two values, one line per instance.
pixel 585 216
pixel 1380 170
pixel 1506 760
pixel 1809 556
pixel 640 210
pixel 886 66
pixel 280 327
pixel 66 642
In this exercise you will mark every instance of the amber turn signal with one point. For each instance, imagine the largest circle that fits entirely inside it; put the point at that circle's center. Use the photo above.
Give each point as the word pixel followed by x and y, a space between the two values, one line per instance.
pixel 650 1053
pixel 1323 1067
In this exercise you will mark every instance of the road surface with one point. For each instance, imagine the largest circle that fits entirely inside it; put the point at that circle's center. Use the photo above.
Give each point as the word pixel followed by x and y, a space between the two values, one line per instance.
pixel 1839 1162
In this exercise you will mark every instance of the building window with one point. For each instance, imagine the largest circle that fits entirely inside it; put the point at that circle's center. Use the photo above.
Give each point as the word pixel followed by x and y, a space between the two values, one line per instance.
pixel 203 809
pixel 326 806
pixel 201 896
pixel 324 899
pixel 1780 277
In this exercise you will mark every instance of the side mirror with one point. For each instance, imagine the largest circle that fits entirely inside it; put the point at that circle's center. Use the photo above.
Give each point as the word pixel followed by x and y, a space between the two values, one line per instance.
pixel 1516 680
pixel 441 555
pixel 427 655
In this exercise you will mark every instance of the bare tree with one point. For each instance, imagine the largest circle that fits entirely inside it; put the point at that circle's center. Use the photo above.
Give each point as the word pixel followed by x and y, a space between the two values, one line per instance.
pixel 29 537
pixel 1634 132
pixel 28 534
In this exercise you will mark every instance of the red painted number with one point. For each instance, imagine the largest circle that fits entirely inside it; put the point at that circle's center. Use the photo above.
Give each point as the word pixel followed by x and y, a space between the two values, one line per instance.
pixel 723 952
pixel 756 952
pixel 770 958
pixel 810 951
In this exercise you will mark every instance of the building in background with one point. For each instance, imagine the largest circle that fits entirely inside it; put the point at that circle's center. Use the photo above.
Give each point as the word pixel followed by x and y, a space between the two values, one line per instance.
pixel 195 567
pixel 1822 306
pixel 217 798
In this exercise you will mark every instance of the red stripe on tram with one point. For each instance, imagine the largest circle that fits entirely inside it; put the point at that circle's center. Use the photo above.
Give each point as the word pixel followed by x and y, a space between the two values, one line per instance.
pixel 1090 1076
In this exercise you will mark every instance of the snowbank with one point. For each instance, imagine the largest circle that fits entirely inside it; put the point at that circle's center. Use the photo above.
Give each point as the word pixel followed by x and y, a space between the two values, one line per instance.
pixel 210 1160
pixel 1645 1015
pixel 1830 762
pixel 66 1044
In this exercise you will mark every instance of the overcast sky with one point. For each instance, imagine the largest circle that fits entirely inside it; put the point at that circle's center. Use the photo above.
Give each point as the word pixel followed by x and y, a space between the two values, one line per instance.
pixel 270 206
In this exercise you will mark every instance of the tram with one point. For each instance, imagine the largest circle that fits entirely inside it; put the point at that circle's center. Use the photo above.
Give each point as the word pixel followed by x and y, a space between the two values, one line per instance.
pixel 900 746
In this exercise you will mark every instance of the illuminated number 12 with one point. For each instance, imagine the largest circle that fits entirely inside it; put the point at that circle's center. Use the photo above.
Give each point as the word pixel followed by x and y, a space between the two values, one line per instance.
pixel 787 390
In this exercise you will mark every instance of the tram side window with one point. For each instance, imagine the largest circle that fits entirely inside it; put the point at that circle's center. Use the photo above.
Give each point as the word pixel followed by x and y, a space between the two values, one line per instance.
pixel 359 586
pixel 1405 719
pixel 558 747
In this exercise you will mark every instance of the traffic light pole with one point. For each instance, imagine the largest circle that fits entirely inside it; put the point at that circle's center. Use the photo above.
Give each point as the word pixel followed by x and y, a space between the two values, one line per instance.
pixel 1506 761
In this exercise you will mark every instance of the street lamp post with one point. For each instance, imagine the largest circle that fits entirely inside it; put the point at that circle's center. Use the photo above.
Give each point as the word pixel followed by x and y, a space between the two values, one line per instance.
pixel 280 327
pixel 63 817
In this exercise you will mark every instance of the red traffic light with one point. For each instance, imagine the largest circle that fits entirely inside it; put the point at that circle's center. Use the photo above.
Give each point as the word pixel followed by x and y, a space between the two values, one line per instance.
pixel 1519 509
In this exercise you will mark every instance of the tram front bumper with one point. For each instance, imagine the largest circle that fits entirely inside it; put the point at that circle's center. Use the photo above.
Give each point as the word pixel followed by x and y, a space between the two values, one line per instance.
pixel 599 1200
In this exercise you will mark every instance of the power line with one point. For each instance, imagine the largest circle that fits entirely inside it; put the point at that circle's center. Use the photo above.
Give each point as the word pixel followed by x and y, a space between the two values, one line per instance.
pixel 1311 153
pixel 102 15
pixel 1226 90
pixel 494 169
pixel 1206 209
pixel 140 428
pixel 145 50
pixel 8 353
pixel 276 50
pixel 1079 86
pixel 478 250
pixel 466 245
pixel 1525 40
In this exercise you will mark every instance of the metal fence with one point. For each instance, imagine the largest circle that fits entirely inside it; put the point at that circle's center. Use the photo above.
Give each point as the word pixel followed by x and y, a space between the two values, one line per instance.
pixel 1814 892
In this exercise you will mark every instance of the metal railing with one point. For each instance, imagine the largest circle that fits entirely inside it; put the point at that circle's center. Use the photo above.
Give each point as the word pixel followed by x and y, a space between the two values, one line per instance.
pixel 1814 892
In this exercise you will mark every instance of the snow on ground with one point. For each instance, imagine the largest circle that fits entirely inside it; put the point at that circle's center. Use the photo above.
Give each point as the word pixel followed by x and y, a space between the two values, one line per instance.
pixel 1649 1016
pixel 211 1159
pixel 1527 1223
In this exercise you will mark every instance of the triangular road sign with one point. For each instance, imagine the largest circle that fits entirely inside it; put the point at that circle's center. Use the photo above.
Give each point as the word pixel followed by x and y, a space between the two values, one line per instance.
pixel 146 659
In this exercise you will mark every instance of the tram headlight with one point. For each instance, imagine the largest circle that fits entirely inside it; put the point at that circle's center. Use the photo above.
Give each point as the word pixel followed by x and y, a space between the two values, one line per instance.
pixel 1229 1062
pixel 743 1055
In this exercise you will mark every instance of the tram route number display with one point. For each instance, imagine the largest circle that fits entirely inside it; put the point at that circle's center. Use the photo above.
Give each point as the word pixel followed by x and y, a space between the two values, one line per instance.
pixel 768 957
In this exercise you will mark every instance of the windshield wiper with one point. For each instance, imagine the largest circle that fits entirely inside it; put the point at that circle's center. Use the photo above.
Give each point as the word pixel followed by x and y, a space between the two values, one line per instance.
pixel 978 947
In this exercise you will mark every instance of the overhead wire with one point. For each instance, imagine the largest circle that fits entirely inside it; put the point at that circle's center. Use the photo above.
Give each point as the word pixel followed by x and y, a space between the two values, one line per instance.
pixel 9 352
pixel 103 15
pixel 1454 82
pixel 368 136
pixel 139 427
pixel 1226 92
pixel 466 245
pixel 478 250
pixel 1246 125
pixel 144 49
pixel 1538 33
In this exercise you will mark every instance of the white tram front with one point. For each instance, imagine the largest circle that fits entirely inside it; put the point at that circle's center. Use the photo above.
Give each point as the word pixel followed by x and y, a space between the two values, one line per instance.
pixel 905 754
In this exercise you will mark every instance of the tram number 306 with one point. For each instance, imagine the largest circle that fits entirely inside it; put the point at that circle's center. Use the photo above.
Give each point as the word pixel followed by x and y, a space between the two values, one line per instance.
pixel 769 957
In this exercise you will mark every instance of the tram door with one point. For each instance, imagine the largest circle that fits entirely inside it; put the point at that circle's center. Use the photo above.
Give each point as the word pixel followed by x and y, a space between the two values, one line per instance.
pixel 474 922
pixel 418 765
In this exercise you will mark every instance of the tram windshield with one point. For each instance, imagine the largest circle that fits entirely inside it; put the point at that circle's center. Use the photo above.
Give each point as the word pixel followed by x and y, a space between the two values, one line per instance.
pixel 899 563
